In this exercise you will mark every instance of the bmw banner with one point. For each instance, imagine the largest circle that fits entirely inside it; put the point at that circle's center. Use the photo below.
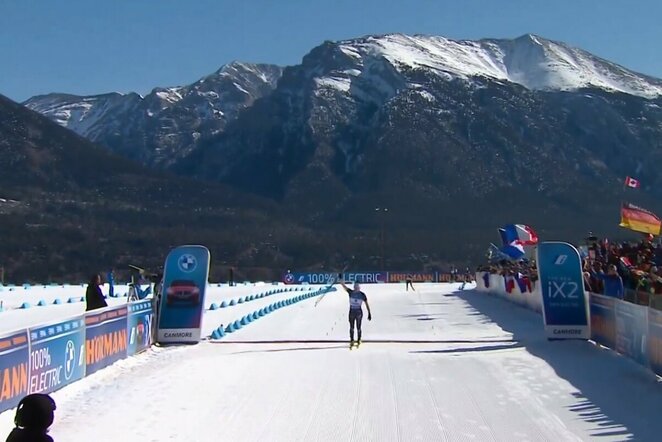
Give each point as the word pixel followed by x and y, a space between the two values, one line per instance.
pixel 57 355
pixel 181 306
pixel 565 302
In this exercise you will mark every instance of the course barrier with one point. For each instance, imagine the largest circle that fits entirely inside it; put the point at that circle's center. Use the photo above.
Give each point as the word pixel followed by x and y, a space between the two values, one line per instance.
pixel 232 327
pixel 47 357
pixel 255 297
pixel 629 329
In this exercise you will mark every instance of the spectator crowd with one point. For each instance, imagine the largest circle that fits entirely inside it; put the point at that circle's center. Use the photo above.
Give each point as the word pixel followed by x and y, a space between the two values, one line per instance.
pixel 625 270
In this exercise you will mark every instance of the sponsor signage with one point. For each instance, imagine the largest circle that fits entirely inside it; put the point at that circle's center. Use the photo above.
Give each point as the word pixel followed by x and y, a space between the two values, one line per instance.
pixel 14 370
pixel 326 278
pixel 603 320
pixel 565 302
pixel 105 337
pixel 309 278
pixel 139 327
pixel 181 307
pixel 631 331
pixel 366 277
pixel 415 276
pixel 655 340
pixel 57 355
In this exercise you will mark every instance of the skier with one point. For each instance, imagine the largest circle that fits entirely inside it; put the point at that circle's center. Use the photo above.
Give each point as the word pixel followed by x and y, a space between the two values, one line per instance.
pixel 468 277
pixel 34 415
pixel 409 283
pixel 356 300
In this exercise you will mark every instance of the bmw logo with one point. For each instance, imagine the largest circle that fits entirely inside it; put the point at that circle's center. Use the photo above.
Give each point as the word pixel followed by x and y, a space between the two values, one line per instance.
pixel 69 360
pixel 289 278
pixel 187 263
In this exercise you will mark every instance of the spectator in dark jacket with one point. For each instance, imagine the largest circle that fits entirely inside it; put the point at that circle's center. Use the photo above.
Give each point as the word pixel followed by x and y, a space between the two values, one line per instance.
pixel 93 296
pixel 34 415
pixel 613 283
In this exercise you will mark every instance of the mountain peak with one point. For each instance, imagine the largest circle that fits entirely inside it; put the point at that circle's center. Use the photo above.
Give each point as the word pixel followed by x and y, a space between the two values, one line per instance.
pixel 530 60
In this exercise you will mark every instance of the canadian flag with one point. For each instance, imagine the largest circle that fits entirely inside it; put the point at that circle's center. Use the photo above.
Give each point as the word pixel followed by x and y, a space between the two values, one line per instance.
pixel 631 182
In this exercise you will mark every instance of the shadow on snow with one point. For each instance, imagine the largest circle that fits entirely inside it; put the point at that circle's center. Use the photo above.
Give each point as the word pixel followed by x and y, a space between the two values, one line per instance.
pixel 621 398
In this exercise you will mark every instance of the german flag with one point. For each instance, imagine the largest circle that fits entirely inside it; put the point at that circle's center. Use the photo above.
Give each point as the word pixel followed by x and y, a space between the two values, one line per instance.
pixel 640 220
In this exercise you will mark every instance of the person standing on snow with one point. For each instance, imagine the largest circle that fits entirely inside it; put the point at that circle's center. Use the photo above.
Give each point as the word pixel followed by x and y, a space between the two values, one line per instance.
pixel 93 296
pixel 356 300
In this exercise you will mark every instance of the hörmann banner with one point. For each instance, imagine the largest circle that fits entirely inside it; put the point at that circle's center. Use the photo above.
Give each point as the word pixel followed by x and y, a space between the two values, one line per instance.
pixel 414 276
pixel 57 355
pixel 565 302
pixel 105 337
pixel 181 307
pixel 14 374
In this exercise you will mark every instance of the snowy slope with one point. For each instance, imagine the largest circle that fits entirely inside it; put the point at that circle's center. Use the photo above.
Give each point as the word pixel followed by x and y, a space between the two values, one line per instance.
pixel 530 60
pixel 435 365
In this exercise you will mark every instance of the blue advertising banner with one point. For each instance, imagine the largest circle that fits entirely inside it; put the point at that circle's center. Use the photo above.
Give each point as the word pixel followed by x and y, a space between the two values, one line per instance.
pixel 329 277
pixel 105 337
pixel 309 277
pixel 366 277
pixel 631 331
pixel 14 356
pixel 139 326
pixel 655 340
pixel 415 276
pixel 565 302
pixel 185 277
pixel 603 320
pixel 57 355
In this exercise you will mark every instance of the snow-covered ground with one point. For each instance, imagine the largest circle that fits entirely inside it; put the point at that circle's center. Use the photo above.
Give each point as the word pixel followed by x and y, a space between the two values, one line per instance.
pixel 14 317
pixel 437 364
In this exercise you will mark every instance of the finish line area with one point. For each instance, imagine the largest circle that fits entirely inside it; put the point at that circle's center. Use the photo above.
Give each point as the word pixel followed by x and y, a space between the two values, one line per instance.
pixel 435 364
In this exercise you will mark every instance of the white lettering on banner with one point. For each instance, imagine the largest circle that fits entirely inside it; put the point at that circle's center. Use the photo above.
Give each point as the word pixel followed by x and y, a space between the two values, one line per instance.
pixel 562 291
pixel 40 358
pixel 46 380
pixel 319 278
pixel 363 277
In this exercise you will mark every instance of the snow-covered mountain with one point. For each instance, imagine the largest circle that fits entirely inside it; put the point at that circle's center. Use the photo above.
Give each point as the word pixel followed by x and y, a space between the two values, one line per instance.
pixel 336 96
pixel 532 61
pixel 168 122
pixel 420 120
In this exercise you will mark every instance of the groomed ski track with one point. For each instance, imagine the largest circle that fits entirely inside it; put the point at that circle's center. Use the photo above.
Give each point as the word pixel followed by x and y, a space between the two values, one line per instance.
pixel 437 364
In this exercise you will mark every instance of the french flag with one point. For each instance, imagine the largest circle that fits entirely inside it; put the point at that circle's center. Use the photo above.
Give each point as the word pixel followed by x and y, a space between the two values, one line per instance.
pixel 515 237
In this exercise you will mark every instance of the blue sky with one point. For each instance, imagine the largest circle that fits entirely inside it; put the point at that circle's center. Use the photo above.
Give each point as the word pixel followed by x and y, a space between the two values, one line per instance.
pixel 89 47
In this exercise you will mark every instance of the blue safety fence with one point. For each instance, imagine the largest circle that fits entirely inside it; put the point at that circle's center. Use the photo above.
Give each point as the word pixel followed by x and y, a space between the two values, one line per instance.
pixel 233 326
pixel 255 297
